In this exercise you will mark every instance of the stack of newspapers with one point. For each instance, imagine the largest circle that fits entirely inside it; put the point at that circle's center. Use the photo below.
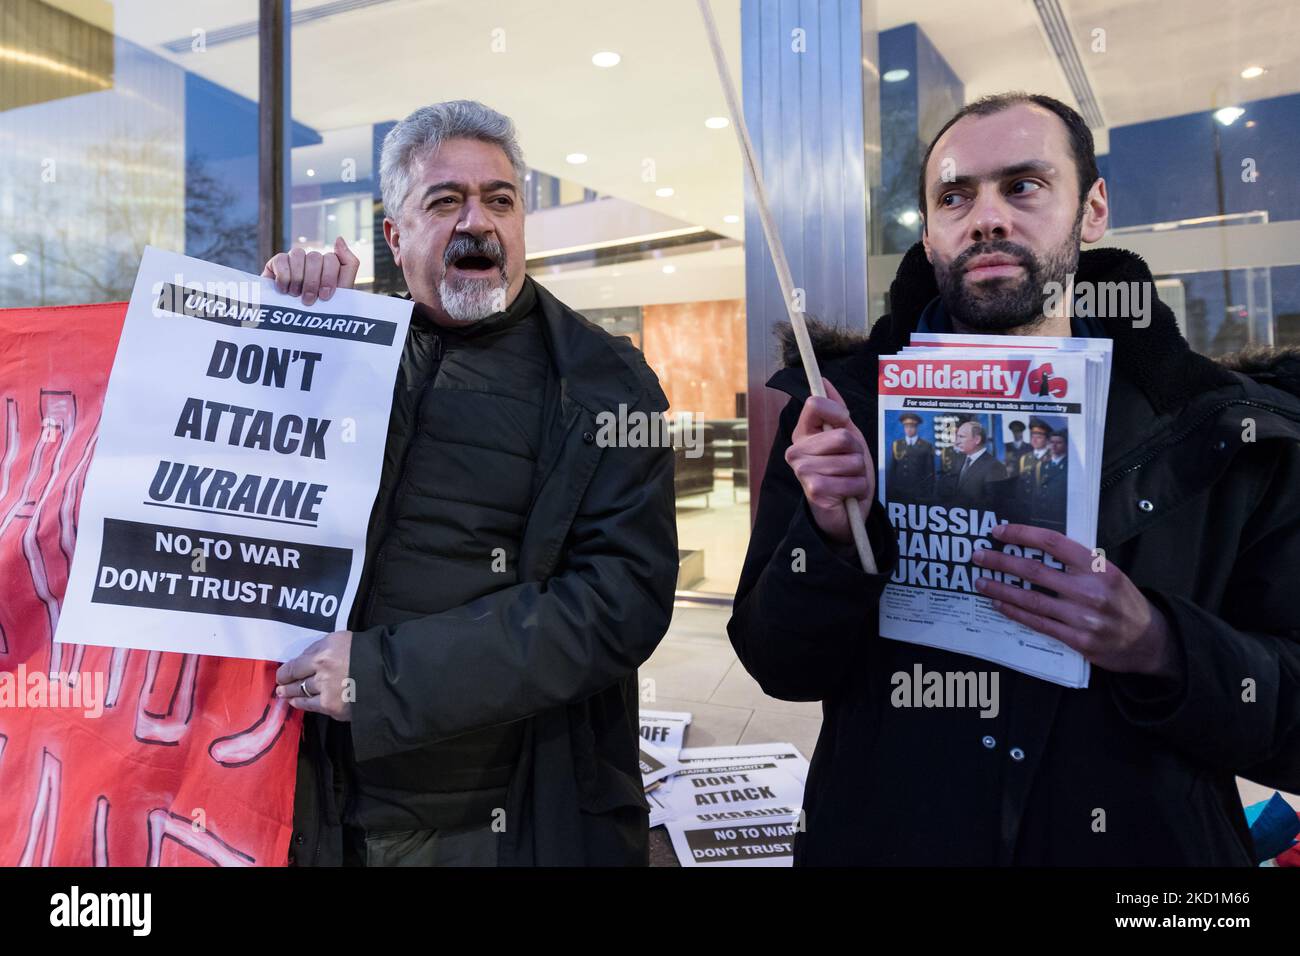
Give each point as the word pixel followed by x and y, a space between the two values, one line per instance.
pixel 975 431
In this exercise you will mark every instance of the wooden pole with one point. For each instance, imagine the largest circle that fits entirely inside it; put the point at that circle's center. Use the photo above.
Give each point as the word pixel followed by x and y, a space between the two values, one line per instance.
pixel 806 353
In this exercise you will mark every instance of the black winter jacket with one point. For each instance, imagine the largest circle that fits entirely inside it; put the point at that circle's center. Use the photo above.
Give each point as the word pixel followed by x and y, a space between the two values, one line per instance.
pixel 1204 521
pixel 559 650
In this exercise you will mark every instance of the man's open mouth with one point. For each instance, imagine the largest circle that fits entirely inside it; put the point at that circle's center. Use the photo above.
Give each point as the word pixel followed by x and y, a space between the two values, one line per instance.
pixel 475 264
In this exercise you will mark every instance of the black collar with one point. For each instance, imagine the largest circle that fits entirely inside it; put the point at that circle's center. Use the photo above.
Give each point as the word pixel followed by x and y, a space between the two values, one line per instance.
pixel 597 370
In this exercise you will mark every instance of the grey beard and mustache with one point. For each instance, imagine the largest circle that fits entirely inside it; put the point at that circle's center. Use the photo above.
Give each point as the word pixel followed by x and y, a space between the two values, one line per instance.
pixel 1006 304
pixel 470 300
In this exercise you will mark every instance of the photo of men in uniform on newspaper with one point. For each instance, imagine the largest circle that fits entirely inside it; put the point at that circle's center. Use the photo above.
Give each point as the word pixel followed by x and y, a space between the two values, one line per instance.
pixel 1043 473
pixel 976 461
pixel 911 462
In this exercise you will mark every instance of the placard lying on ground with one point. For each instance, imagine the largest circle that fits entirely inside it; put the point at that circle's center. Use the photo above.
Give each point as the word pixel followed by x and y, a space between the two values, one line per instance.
pixel 759 837
pixel 787 756
pixel 656 764
pixel 238 457
pixel 741 785
pixel 665 728
pixel 733 809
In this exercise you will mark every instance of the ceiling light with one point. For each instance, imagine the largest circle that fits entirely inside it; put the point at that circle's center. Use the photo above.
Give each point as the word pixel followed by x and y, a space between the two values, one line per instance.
pixel 19 258
pixel 606 59
pixel 576 159
pixel 731 218
pixel 311 172
pixel 331 217
pixel 302 238
pixel 1250 124
pixel 909 218
pixel 717 122
pixel 1250 72
pixel 895 76
pixel 1228 115
pixel 663 192
pixel 669 270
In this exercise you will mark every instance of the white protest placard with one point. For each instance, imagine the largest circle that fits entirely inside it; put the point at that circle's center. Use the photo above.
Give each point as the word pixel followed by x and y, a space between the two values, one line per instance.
pixel 656 764
pixel 731 785
pixel 659 812
pixel 755 837
pixel 238 458
pixel 786 756
pixel 665 728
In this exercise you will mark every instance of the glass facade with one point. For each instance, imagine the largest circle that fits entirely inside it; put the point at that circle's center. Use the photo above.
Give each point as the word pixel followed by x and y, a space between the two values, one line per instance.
pixel 133 122
pixel 109 142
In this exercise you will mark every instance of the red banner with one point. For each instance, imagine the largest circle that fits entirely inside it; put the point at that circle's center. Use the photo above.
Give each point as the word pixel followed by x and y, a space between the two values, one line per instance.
pixel 111 757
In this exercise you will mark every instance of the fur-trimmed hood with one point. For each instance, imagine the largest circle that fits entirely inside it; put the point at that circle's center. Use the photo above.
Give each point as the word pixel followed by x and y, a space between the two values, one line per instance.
pixel 1157 357
pixel 1277 366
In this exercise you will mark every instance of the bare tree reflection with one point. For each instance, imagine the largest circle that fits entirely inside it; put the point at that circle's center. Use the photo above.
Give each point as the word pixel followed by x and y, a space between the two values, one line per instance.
pixel 83 235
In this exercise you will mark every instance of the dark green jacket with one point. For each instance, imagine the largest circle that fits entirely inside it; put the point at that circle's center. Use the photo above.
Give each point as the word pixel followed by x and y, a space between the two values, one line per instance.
pixel 597 574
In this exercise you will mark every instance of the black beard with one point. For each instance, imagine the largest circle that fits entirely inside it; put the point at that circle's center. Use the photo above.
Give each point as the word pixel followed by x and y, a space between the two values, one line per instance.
pixel 1000 305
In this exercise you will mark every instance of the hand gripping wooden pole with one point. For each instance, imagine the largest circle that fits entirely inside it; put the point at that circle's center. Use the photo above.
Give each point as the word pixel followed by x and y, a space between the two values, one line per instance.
pixel 777 250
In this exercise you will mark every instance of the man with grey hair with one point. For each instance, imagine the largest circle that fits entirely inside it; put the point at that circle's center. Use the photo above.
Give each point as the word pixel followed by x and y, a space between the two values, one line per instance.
pixel 482 707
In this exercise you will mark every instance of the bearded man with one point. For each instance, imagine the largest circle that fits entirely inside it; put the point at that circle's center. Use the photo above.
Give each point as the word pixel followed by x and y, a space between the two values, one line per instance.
pixel 482 707
pixel 1187 614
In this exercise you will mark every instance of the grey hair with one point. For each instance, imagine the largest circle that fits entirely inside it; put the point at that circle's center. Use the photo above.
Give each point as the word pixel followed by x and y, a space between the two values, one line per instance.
pixel 426 129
